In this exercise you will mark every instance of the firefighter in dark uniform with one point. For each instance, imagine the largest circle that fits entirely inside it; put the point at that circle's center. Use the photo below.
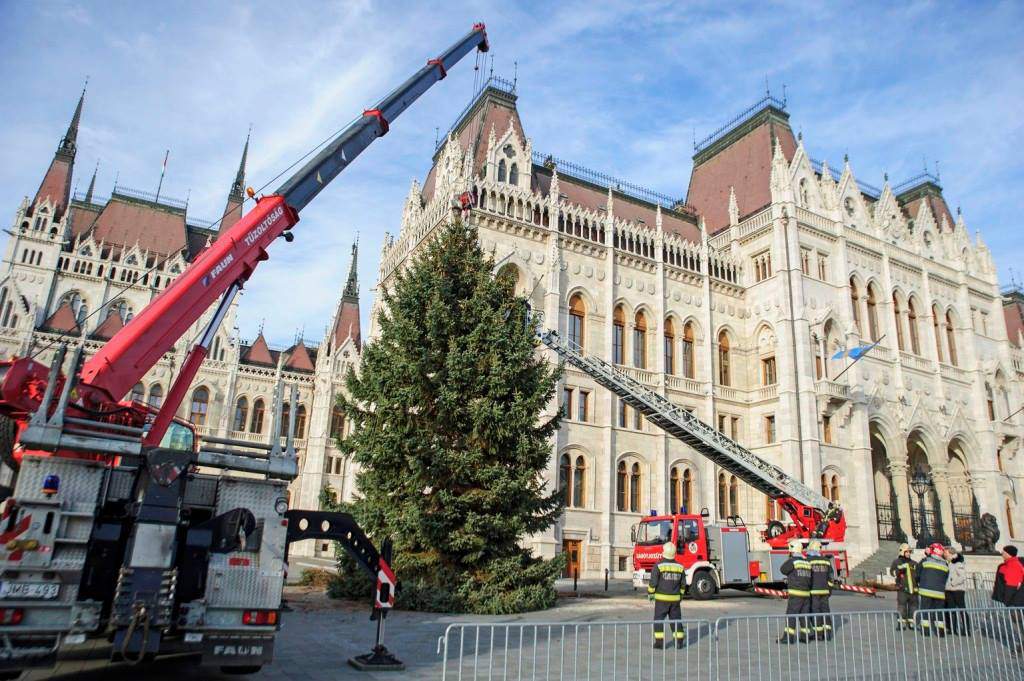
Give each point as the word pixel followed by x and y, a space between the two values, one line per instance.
pixel 797 570
pixel 904 569
pixel 666 590
pixel 932 573
pixel 821 588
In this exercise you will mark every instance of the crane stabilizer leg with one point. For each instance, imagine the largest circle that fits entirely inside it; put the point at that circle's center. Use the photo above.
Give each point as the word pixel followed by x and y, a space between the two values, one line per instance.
pixel 807 508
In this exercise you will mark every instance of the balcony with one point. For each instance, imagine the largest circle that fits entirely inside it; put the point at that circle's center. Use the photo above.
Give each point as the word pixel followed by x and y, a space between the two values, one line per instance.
pixel 683 384
pixel 911 361
pixel 765 393
pixel 724 392
pixel 953 373
pixel 832 391
pixel 642 376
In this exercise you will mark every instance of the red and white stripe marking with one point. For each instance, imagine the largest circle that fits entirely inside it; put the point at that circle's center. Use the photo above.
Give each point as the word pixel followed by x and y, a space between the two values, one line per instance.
pixel 775 593
pixel 856 589
pixel 385 576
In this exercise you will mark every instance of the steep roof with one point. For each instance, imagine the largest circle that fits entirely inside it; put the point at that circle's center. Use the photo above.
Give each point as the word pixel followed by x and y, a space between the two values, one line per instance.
pixel 346 320
pixel 739 156
pixel 258 352
pixel 111 325
pixel 1013 313
pixel 298 359
pixel 56 184
pixel 62 320
pixel 125 221
pixel 926 192
pixel 236 195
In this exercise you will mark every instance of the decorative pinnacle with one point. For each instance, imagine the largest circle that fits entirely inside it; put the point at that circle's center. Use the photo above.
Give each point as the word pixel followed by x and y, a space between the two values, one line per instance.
pixel 68 144
pixel 352 284
pixel 92 183
pixel 238 188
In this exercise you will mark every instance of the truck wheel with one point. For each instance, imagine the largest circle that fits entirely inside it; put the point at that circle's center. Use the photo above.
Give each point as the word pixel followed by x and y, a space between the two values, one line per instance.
pixel 774 529
pixel 10 675
pixel 242 669
pixel 8 432
pixel 703 586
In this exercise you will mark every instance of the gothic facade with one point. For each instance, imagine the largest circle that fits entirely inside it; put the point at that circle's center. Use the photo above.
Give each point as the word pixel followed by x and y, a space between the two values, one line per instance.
pixel 735 303
pixel 78 267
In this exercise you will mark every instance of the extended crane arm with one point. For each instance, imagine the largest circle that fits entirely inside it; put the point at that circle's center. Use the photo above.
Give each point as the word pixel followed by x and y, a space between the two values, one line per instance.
pixel 231 259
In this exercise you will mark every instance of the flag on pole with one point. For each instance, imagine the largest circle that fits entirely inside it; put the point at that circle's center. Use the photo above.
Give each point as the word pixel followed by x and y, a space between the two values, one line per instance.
pixel 857 352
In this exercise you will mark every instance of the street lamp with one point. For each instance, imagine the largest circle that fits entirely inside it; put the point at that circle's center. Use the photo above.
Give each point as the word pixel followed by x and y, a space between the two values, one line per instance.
pixel 921 483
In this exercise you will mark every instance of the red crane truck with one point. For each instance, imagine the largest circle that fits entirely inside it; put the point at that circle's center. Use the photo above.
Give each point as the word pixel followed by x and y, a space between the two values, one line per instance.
pixel 116 526
pixel 715 556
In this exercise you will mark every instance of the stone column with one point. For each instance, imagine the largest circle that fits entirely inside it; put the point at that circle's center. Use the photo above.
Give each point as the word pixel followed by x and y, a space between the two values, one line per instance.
pixel 898 479
pixel 940 479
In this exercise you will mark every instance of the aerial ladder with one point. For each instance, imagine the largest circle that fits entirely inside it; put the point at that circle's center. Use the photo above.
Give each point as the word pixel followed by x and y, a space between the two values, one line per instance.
pixel 813 515
pixel 112 527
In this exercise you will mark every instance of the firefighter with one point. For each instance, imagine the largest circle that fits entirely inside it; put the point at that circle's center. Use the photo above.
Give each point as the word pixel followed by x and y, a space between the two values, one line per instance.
pixel 797 570
pixel 821 589
pixel 904 569
pixel 932 573
pixel 666 590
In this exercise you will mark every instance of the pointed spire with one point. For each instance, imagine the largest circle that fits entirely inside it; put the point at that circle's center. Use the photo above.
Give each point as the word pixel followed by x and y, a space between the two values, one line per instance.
pixel 352 284
pixel 69 143
pixel 238 188
pixel 92 183
pixel 236 196
pixel 734 207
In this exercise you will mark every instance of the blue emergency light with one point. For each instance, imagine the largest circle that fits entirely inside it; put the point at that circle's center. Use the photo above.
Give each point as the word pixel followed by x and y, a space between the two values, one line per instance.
pixel 51 485
pixel 654 511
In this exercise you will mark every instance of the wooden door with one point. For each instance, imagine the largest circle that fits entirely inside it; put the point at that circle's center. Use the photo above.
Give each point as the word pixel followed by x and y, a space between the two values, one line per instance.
pixel 571 549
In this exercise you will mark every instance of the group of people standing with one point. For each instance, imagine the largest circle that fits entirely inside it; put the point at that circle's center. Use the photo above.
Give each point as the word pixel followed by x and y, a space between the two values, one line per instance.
pixel 936 582
pixel 808 587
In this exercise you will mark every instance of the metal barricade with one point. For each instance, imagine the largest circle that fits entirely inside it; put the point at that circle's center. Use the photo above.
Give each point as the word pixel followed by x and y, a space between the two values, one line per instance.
pixel 864 645
pixel 976 644
pixel 979 591
pixel 598 651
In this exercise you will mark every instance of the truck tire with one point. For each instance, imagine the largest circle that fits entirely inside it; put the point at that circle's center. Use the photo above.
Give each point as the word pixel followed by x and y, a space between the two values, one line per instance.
pixel 10 675
pixel 703 586
pixel 774 529
pixel 8 432
pixel 242 669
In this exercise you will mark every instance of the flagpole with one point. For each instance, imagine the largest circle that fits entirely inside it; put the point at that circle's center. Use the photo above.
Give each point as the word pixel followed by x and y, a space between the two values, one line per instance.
pixel 163 169
pixel 1013 414
pixel 858 357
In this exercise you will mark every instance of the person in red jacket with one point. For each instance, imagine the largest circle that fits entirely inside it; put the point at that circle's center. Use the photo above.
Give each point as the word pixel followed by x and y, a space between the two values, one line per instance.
pixel 1009 578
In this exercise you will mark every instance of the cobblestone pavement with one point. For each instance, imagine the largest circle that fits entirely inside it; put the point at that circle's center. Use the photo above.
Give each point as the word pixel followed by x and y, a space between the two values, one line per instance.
pixel 319 635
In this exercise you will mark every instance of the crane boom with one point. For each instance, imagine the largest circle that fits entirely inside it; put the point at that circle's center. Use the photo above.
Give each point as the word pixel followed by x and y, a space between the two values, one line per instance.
pixel 676 421
pixel 231 259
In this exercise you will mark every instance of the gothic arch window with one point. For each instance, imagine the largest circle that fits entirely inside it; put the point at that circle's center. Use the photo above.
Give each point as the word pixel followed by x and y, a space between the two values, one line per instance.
pixel 501 170
pixel 156 395
pixel 621 488
pixel 577 318
pixel 936 324
pixel 990 402
pixel 564 477
pixel 634 488
pixel 680 489
pixel 200 406
pixel 951 338
pixel 640 340
pixel 138 393
pixel 286 414
pixel 258 411
pixel 915 340
pixel 579 482
pixel 688 363
pixel 855 303
pixel 300 422
pixel 618 335
pixel 872 313
pixel 241 414
pixel 513 174
pixel 724 360
pixel 670 347
pixel 897 318
pixel 734 496
pixel 723 496
pixel 337 421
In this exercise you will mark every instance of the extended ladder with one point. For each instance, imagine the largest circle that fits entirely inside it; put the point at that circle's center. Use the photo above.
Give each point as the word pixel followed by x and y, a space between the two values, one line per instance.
pixel 681 424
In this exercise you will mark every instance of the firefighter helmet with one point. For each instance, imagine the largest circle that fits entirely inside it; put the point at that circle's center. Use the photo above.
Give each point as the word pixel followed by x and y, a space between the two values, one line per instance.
pixel 795 546
pixel 936 549
pixel 668 551
pixel 904 548
pixel 814 545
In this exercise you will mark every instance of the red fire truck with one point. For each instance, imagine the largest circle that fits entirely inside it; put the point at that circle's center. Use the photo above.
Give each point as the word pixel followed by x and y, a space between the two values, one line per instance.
pixel 715 555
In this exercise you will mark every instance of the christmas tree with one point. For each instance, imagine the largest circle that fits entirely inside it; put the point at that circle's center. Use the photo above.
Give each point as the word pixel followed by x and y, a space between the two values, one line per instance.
pixel 450 435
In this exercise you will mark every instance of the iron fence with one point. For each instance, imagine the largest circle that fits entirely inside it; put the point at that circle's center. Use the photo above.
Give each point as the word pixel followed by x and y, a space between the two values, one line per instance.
pixel 973 643
pixel 888 523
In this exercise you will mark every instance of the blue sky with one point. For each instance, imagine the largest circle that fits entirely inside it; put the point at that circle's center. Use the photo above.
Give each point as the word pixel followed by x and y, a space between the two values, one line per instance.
pixel 619 87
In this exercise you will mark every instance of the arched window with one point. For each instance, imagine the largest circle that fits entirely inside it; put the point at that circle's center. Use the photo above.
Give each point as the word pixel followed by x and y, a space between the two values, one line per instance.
pixel 723 359
pixel 680 489
pixel 577 317
pixel 688 364
pixel 897 317
pixel 872 314
pixel 300 422
pixel 241 414
pixel 621 478
pixel 640 341
pixel 673 490
pixel 286 414
pixel 634 488
pixel 771 509
pixel 200 406
pixel 258 409
pixel 687 491
pixel 915 343
pixel 670 347
pixel 824 485
pixel 855 303
pixel 564 474
pixel 938 333
pixel 337 421
pixel 501 170
pixel 77 303
pixel 618 336
pixel 156 395
pixel 734 496
pixel 513 174
pixel 951 338
pixel 990 402
pixel 834 489
pixel 138 393
pixel 723 496
pixel 579 477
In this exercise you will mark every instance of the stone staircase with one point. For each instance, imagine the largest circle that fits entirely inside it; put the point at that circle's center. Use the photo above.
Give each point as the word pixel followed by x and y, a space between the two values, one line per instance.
pixel 876 566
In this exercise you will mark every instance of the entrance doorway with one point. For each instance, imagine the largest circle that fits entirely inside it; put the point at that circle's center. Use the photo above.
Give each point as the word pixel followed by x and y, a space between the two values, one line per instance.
pixel 571 549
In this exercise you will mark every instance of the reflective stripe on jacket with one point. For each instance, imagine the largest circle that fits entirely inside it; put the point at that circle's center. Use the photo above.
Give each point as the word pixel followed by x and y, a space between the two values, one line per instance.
pixel 821 576
pixel 932 574
pixel 667 581
pixel 798 575
pixel 904 569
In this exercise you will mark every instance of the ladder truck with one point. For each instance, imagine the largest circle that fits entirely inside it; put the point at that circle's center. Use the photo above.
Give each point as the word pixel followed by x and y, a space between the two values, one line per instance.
pixel 715 556
pixel 118 524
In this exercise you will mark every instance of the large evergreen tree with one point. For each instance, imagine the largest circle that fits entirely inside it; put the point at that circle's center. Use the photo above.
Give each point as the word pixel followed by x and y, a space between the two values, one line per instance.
pixel 450 436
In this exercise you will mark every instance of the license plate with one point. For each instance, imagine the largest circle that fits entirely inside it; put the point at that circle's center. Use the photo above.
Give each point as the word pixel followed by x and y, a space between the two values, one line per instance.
pixel 29 590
